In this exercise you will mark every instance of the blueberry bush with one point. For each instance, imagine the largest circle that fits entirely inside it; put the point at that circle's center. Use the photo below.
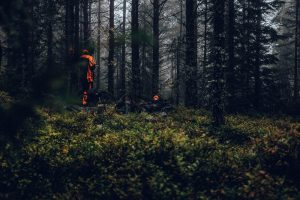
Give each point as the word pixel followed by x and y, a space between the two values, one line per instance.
pixel 152 156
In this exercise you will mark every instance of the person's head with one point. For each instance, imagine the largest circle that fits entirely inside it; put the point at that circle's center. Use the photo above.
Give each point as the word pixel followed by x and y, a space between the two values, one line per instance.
pixel 85 52
pixel 156 98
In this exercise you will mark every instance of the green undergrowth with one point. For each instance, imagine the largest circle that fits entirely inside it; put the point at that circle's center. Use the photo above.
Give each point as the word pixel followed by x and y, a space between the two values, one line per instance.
pixel 151 156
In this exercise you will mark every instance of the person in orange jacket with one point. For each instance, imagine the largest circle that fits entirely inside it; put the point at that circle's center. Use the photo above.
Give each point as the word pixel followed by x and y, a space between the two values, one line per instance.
pixel 87 76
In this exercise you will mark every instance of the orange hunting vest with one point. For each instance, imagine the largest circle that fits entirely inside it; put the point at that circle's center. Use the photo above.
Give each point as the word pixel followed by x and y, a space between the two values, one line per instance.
pixel 92 63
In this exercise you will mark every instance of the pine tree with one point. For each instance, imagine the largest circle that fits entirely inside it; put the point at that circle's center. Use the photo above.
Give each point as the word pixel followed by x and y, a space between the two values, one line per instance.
pixel 296 71
pixel 123 64
pixel 111 61
pixel 135 47
pixel 191 53
pixel 217 54
pixel 230 49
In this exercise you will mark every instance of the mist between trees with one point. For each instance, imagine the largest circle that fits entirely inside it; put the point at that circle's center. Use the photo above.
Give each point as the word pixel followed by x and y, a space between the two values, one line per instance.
pixel 226 56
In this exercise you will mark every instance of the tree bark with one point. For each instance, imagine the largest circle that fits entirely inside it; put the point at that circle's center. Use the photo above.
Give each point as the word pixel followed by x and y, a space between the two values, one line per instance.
pixel 98 76
pixel 245 54
pixel 257 78
pixel 191 53
pixel 218 63
pixel 155 69
pixel 67 44
pixel 49 40
pixel 86 32
pixel 230 72
pixel 204 67
pixel 1 54
pixel 135 47
pixel 111 58
pixel 296 73
pixel 179 54
pixel 205 37
pixel 76 31
pixel 123 64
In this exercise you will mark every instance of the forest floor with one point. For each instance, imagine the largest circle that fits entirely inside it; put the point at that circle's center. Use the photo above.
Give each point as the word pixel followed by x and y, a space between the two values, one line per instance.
pixel 150 156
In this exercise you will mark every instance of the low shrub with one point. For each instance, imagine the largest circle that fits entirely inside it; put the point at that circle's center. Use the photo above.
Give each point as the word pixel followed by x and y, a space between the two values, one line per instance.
pixel 151 156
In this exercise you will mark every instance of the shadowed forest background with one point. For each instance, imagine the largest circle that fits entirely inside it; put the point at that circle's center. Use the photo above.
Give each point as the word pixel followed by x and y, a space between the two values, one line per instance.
pixel 227 69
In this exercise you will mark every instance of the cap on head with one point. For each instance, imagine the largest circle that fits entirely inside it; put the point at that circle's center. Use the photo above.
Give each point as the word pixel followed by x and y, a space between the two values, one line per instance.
pixel 155 97
pixel 85 51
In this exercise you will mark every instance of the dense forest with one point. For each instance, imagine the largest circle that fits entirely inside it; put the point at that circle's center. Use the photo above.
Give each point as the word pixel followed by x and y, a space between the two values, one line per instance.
pixel 149 99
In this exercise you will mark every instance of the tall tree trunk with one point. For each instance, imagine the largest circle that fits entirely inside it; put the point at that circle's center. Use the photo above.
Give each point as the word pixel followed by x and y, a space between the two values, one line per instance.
pixel 67 44
pixel 144 74
pixel 32 64
pixel 76 43
pixel 111 56
pixel 71 50
pixel 1 54
pixel 123 64
pixel 178 56
pixel 179 70
pixel 76 31
pixel 50 56
pixel 155 69
pixel 25 45
pixel 245 46
pixel 173 58
pixel 135 47
pixel 98 76
pixel 257 78
pixel 205 38
pixel 86 32
pixel 296 73
pixel 49 44
pixel 90 15
pixel 218 63
pixel 191 53
pixel 230 71
pixel 72 31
